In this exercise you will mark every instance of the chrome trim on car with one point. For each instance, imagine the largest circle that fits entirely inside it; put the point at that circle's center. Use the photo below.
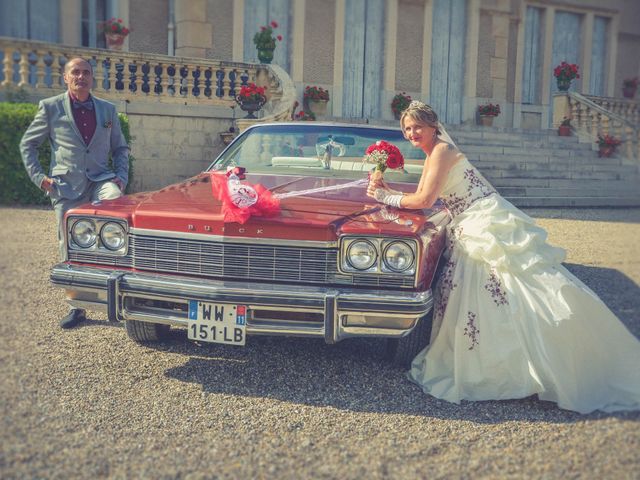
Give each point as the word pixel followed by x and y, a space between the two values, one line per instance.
pixel 229 239
pixel 334 304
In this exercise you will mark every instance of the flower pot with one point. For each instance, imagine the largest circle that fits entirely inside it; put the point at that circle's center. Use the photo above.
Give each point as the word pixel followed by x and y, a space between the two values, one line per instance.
pixel 250 107
pixel 486 120
pixel 606 151
pixel 318 107
pixel 564 131
pixel 629 92
pixel 563 85
pixel 265 55
pixel 115 41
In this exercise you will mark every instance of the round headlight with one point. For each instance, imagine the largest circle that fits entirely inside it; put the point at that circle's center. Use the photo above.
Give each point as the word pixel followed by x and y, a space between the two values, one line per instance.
pixel 398 256
pixel 361 255
pixel 113 236
pixel 83 233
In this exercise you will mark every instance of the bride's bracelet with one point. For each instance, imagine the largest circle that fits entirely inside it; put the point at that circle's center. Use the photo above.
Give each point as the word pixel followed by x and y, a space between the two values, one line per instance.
pixel 391 198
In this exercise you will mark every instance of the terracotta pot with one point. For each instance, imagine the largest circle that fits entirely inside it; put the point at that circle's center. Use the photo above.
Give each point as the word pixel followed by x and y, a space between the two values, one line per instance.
pixel 564 131
pixel 486 120
pixel 318 107
pixel 115 41
pixel 606 151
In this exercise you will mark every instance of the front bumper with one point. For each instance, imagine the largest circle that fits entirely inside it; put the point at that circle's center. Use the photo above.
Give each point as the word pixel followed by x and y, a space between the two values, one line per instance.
pixel 273 309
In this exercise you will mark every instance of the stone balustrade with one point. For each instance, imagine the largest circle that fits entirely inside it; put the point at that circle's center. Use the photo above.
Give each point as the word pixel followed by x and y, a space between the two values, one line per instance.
pixel 37 67
pixel 590 119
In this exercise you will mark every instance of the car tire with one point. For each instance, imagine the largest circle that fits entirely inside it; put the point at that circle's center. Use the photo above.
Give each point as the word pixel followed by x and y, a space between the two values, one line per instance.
pixel 401 351
pixel 145 332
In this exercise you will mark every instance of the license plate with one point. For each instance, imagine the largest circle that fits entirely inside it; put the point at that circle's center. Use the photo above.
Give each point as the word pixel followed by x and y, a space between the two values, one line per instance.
pixel 217 322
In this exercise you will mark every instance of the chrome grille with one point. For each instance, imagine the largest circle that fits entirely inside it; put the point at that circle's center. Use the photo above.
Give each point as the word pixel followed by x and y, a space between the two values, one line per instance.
pixel 240 262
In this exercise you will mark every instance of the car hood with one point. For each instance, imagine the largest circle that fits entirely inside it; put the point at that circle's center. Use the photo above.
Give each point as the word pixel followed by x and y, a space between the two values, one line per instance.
pixel 190 206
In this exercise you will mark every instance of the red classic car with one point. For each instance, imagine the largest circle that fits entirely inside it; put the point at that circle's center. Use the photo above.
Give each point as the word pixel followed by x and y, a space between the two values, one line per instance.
pixel 329 262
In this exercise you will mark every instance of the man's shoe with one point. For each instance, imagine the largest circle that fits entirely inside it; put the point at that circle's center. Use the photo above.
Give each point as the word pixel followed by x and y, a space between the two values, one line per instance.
pixel 73 318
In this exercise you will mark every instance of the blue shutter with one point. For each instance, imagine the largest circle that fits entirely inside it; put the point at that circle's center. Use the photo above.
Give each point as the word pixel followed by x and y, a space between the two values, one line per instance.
pixel 259 13
pixel 33 19
pixel 373 58
pixel 532 56
pixel 566 43
pixel 448 36
pixel 598 56
pixel 353 72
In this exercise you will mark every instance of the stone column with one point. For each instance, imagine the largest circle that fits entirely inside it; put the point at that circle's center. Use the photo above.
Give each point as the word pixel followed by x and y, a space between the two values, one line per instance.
pixel 194 35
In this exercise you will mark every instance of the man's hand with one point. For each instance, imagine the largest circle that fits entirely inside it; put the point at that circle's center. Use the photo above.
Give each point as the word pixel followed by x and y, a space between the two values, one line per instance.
pixel 119 183
pixel 47 184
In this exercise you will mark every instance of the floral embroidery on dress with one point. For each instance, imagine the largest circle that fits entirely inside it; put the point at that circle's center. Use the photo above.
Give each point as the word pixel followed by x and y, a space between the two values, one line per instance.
pixel 445 285
pixel 476 189
pixel 453 235
pixel 471 330
pixel 495 288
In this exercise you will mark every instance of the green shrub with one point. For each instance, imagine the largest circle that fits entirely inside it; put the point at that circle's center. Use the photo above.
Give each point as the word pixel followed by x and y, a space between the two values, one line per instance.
pixel 15 185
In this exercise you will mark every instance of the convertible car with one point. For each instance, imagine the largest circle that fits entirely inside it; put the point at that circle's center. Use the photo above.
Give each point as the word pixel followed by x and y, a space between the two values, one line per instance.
pixel 322 259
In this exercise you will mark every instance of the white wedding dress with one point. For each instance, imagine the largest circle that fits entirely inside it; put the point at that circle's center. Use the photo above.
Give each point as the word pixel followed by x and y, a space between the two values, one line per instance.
pixel 510 321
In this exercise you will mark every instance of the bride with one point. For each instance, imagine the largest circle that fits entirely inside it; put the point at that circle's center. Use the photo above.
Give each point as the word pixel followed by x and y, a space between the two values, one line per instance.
pixel 509 320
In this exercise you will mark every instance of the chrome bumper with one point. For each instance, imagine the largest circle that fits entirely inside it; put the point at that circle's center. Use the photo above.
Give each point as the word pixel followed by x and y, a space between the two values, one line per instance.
pixel 332 313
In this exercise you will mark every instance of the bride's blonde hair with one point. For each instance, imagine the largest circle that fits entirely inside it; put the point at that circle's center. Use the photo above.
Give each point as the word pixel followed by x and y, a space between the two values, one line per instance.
pixel 422 113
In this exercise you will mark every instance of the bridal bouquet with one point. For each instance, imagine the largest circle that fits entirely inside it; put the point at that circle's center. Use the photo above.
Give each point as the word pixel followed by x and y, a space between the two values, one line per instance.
pixel 384 155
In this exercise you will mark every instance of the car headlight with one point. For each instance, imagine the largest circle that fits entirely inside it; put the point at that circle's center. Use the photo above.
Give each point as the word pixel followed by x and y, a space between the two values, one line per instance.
pixel 398 257
pixel 84 233
pixel 362 255
pixel 113 236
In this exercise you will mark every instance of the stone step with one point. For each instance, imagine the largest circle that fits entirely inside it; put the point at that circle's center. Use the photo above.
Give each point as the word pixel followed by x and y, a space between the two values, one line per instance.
pixel 550 174
pixel 575 201
pixel 517 191
pixel 605 185
pixel 555 168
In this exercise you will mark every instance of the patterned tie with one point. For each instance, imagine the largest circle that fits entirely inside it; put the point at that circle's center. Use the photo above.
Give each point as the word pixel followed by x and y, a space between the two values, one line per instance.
pixel 86 105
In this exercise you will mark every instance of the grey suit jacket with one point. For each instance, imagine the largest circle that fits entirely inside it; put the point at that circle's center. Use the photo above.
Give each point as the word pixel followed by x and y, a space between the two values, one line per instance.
pixel 74 164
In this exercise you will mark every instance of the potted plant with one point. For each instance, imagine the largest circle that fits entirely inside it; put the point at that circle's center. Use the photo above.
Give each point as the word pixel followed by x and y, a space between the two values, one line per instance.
pixel 607 145
pixel 565 73
pixel 251 99
pixel 305 116
pixel 487 112
pixel 399 104
pixel 564 130
pixel 316 99
pixel 629 87
pixel 115 33
pixel 265 42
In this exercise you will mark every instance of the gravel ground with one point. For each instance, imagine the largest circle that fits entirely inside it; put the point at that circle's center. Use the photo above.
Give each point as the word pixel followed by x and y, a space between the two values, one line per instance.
pixel 90 403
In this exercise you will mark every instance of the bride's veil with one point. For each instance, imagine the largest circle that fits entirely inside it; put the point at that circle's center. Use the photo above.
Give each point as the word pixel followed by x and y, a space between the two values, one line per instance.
pixel 445 136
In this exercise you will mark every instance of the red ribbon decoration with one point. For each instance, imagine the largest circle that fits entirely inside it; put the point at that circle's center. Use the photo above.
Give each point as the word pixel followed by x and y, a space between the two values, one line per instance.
pixel 265 206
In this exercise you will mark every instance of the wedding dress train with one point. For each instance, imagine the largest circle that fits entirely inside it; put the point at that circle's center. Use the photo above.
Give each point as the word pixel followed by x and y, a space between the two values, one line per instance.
pixel 510 321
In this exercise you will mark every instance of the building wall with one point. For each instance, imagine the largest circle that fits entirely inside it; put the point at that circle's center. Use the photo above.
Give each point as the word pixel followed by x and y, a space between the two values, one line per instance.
pixel 149 20
pixel 408 74
pixel 319 43
pixel 220 15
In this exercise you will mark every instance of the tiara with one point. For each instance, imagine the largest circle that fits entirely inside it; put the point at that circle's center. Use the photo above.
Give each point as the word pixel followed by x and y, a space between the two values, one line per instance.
pixel 417 104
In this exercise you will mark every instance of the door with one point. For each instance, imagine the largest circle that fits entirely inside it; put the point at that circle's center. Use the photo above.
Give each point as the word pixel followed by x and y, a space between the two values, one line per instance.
pixel 448 36
pixel 259 13
pixel 531 79
pixel 363 58
pixel 597 79
pixel 566 47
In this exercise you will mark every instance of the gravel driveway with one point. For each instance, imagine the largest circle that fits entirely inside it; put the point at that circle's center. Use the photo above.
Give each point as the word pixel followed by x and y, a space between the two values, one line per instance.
pixel 89 402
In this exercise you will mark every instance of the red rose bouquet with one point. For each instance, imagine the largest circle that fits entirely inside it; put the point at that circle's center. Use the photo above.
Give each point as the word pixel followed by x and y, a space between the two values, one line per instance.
pixel 384 155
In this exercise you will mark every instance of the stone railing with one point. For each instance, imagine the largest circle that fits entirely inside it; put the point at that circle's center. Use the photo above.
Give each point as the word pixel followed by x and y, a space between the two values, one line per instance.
pixel 35 68
pixel 627 109
pixel 590 119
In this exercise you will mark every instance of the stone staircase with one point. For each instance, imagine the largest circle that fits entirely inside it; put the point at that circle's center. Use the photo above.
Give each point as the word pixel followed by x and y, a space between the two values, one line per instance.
pixel 541 169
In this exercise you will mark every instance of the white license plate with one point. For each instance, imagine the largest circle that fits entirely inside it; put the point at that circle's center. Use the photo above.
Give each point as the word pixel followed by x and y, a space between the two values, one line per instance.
pixel 217 322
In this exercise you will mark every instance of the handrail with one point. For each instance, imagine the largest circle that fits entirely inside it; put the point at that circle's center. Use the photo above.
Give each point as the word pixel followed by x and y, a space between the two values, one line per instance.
pixel 603 111
pixel 37 68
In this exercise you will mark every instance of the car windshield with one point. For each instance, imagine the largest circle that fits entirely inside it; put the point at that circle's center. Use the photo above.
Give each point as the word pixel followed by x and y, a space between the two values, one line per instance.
pixel 317 150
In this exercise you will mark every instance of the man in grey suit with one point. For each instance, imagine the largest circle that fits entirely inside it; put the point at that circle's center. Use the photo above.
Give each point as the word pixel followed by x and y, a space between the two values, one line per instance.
pixel 83 131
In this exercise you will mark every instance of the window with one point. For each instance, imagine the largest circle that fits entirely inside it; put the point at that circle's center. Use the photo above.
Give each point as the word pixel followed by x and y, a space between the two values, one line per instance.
pixel 94 14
